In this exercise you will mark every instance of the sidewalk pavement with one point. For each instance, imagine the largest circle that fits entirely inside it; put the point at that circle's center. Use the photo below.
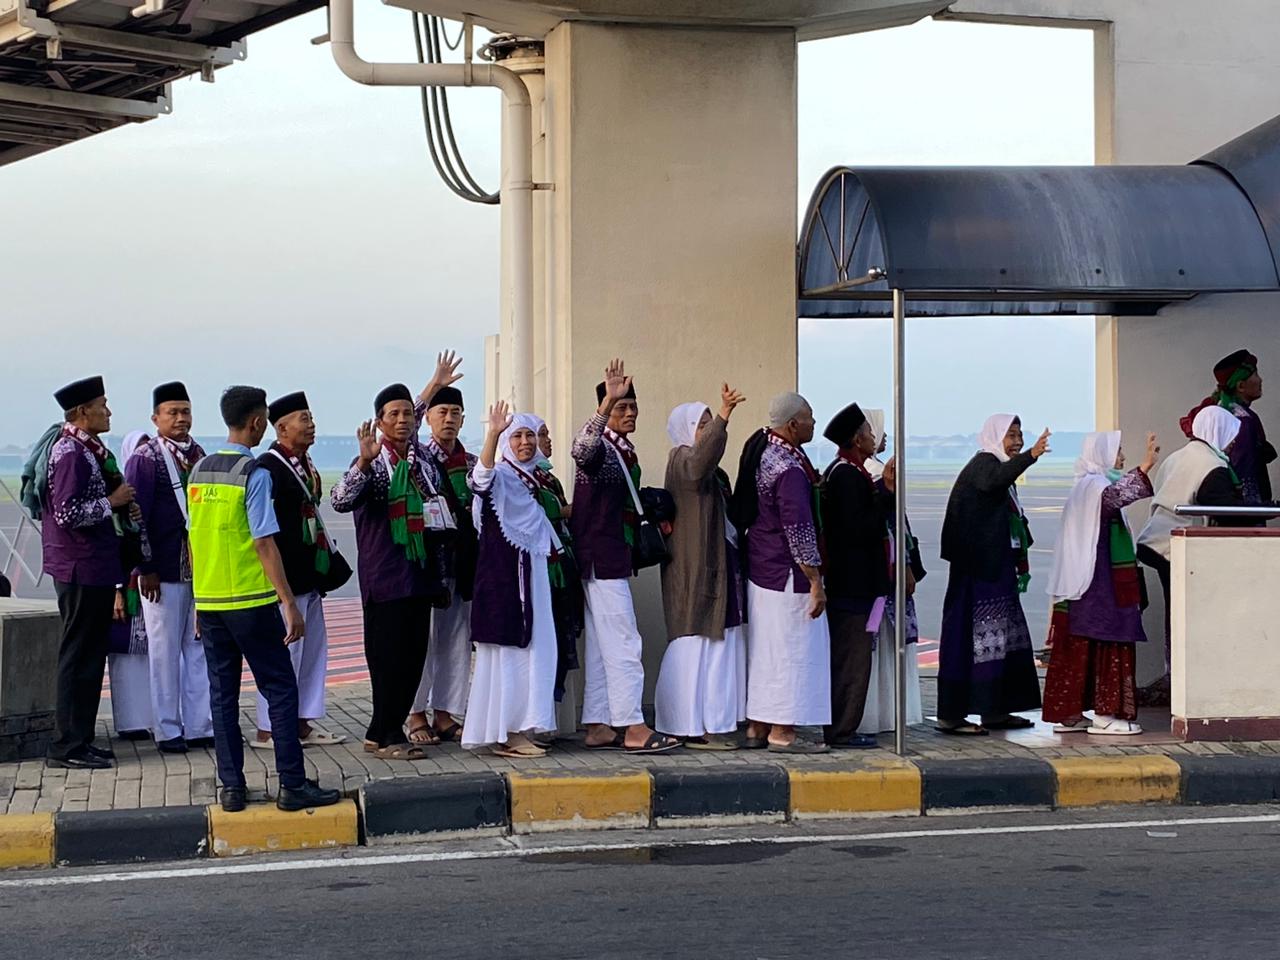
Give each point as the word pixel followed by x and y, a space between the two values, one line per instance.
pixel 159 807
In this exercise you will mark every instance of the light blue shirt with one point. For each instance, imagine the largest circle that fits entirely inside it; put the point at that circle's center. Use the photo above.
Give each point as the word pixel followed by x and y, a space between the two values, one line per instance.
pixel 257 498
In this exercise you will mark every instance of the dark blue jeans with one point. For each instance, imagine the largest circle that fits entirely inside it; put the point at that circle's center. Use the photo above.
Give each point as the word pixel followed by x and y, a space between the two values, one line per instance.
pixel 256 635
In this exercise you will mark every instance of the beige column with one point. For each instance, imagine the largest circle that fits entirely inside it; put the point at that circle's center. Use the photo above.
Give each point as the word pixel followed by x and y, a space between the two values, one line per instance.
pixel 672 231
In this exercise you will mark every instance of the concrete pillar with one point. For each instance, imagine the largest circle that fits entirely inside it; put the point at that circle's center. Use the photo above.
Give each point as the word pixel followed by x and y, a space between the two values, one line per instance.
pixel 676 148
pixel 30 633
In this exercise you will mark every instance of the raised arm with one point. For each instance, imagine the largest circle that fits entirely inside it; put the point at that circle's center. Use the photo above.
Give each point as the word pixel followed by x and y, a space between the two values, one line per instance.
pixel 446 375
pixel 356 485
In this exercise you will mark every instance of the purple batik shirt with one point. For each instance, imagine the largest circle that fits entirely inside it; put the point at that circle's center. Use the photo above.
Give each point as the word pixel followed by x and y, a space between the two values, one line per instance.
pixel 80 541
pixel 600 495
pixel 385 572
pixel 784 535
pixel 148 474
pixel 1095 615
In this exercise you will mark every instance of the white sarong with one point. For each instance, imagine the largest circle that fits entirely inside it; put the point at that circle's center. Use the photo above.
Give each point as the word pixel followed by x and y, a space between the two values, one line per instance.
pixel 310 657
pixel 614 671
pixel 702 685
pixel 130 691
pixel 513 689
pixel 179 676
pixel 878 717
pixel 446 676
pixel 788 660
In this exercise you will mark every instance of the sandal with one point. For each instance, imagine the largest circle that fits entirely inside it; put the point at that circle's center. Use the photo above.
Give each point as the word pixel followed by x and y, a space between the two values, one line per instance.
pixel 657 743
pixel 619 742
pixel 450 734
pixel 1111 727
pixel 321 738
pixel 799 746
pixel 963 730
pixel 424 735
pixel 1010 723
pixel 710 742
pixel 755 743
pixel 400 751
pixel 370 746
pixel 519 752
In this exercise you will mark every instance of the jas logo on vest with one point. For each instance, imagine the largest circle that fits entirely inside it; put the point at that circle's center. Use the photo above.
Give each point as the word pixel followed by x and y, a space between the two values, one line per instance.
pixel 203 494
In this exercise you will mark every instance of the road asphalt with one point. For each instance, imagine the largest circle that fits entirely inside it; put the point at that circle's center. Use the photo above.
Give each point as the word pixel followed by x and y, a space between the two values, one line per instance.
pixel 1153 882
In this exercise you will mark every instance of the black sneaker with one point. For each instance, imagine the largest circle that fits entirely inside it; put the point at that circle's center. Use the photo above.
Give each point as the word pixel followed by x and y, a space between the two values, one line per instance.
pixel 310 794
pixel 102 753
pixel 176 745
pixel 234 799
pixel 134 734
pixel 78 761
pixel 199 743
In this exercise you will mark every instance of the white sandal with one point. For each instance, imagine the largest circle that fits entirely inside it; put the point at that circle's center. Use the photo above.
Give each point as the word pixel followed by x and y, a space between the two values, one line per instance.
pixel 1111 727
pixel 1080 726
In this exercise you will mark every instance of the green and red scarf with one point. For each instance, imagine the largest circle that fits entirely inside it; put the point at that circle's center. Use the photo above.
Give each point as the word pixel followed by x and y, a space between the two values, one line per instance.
pixel 405 504
pixel 313 531
pixel 111 475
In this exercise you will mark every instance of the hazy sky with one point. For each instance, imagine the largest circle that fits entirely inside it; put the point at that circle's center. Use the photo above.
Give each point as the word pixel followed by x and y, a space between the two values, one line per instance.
pixel 284 227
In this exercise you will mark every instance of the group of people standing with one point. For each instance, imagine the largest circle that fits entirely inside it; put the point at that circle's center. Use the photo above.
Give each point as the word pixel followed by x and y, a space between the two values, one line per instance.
pixel 1097 587
pixel 478 576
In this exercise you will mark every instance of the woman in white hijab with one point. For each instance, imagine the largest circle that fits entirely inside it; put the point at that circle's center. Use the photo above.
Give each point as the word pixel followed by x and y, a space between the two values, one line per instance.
pixel 1200 473
pixel 1097 614
pixel 128 665
pixel 512 624
pixel 701 694
pixel 879 715
pixel 985 663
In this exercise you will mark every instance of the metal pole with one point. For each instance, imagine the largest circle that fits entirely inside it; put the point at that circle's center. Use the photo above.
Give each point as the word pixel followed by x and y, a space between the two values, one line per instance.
pixel 901 541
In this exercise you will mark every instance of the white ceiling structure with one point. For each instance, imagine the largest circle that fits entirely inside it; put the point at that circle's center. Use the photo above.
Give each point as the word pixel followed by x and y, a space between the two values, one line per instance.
pixel 73 68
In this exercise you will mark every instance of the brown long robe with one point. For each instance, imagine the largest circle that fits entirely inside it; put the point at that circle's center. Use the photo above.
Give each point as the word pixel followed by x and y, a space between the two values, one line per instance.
pixel 695 584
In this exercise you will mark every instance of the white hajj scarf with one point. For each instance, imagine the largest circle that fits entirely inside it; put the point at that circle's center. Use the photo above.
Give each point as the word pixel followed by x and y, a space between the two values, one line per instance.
pixel 1216 427
pixel 682 425
pixel 1076 554
pixel 523 522
pixel 873 464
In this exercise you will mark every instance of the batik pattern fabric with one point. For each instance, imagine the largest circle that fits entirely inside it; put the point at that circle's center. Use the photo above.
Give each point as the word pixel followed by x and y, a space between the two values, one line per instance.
pixel 798 521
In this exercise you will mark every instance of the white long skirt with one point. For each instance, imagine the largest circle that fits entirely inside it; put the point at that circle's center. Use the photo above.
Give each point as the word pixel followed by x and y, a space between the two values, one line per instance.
pixel 130 691
pixel 513 689
pixel 446 675
pixel 788 659
pixel 702 685
pixel 878 717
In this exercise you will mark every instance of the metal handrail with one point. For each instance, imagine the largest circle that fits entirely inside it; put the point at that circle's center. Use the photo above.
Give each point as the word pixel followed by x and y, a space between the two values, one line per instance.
pixel 1255 513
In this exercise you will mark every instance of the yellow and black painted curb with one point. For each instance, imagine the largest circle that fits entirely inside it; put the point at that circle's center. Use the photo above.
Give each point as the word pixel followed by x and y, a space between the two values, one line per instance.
pixel 470 804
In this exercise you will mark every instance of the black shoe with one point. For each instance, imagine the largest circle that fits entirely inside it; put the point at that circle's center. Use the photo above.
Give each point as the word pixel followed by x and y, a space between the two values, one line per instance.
pixel 134 734
pixel 78 761
pixel 199 743
pixel 234 799
pixel 310 794
pixel 176 745
pixel 859 741
pixel 100 752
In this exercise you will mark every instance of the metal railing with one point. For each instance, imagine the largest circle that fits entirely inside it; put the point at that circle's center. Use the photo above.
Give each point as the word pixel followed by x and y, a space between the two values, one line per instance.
pixel 1210 513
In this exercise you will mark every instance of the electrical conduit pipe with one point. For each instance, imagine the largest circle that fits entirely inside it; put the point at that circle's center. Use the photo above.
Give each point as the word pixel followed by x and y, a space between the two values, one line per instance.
pixel 517 165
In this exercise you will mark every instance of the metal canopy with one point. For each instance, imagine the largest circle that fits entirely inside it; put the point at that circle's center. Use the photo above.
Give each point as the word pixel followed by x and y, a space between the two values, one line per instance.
pixel 1036 240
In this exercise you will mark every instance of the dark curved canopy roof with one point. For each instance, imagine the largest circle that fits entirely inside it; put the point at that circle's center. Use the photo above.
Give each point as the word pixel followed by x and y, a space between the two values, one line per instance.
pixel 1043 240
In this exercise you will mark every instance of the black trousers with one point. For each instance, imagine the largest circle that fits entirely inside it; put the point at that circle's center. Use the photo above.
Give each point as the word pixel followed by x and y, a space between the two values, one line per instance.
pixel 1162 567
pixel 256 635
pixel 850 673
pixel 82 656
pixel 395 648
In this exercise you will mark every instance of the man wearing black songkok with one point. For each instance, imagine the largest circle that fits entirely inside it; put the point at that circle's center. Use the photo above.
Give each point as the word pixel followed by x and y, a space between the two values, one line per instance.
pixel 855 516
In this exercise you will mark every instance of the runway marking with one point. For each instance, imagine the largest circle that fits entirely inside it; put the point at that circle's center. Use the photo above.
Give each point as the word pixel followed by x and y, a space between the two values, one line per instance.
pixel 516 852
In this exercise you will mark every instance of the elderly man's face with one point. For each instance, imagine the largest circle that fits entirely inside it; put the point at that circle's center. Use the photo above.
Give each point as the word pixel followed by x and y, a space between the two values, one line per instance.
pixel 864 441
pixel 1251 389
pixel 173 420
pixel 802 424
pixel 622 420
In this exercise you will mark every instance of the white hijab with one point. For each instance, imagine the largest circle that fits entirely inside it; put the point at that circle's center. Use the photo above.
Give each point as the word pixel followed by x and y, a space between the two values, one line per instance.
pixel 991 439
pixel 1216 427
pixel 873 464
pixel 520 515
pixel 1076 553
pixel 131 443
pixel 682 425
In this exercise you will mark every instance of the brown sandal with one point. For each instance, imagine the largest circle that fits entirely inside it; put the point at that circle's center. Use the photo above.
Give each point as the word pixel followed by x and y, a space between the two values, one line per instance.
pixel 430 740
pixel 400 751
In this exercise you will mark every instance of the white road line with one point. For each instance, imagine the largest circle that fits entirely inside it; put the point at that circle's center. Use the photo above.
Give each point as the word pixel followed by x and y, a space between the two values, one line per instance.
pixel 665 841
